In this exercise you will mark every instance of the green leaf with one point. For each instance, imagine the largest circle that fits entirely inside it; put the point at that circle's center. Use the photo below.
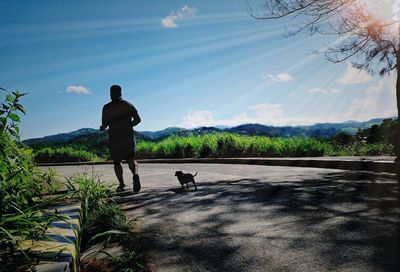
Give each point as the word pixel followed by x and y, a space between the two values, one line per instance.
pixel 20 94
pixel 108 234
pixel 5 107
pixel 13 132
pixel 20 108
pixel 14 117
pixel 9 235
pixel 9 98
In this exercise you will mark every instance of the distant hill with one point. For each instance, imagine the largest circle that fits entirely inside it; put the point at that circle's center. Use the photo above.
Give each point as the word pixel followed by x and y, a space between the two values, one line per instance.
pixel 61 137
pixel 350 127
pixel 323 130
pixel 82 135
pixel 156 135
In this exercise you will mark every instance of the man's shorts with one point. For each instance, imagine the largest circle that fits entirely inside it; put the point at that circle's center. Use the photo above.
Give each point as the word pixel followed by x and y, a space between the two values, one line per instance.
pixel 127 156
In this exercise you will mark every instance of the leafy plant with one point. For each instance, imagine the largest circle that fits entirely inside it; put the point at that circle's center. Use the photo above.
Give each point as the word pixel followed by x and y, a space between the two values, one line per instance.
pixel 19 178
pixel 128 262
pixel 109 217
pixel 9 118
pixel 102 220
pixel 22 214
pixel 30 223
pixel 52 183
pixel 89 191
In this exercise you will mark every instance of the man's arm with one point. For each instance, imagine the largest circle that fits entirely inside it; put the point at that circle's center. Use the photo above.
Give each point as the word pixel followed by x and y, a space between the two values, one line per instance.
pixel 136 118
pixel 104 122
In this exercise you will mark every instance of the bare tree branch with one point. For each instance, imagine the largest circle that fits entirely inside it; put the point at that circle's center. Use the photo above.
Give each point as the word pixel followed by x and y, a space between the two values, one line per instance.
pixel 367 34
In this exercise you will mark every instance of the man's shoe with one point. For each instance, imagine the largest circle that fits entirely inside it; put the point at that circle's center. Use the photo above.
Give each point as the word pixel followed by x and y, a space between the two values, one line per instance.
pixel 136 183
pixel 120 188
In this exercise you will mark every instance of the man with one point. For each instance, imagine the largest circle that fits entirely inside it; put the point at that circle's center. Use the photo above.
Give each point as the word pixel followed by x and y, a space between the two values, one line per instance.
pixel 121 116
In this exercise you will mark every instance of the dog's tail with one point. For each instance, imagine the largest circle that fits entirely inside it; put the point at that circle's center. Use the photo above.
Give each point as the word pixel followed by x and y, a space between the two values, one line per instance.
pixel 195 174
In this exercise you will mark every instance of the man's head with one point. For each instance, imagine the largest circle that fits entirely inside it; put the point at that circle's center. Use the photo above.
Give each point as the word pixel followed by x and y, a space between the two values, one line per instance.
pixel 115 92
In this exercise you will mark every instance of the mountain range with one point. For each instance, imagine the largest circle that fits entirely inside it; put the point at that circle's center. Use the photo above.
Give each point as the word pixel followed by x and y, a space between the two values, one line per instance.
pixel 323 130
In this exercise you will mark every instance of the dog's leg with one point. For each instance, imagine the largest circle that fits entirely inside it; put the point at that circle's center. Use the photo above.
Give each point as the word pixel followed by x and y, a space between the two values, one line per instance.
pixel 194 185
pixel 187 185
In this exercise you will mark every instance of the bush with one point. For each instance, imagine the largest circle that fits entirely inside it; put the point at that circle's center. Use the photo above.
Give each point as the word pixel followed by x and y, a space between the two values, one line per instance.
pixel 342 138
pixel 359 149
pixel 385 133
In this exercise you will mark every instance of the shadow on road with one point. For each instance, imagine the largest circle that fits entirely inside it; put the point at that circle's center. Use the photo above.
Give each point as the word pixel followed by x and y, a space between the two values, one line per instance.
pixel 339 221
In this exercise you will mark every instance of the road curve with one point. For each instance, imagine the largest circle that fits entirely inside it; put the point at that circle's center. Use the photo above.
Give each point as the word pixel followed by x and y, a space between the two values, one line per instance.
pixel 263 218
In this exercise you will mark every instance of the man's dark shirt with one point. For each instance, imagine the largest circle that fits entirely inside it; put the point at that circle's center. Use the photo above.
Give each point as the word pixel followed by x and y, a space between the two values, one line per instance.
pixel 118 116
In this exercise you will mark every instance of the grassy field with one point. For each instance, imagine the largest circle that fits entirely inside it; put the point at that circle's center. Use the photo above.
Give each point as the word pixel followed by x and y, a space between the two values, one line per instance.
pixel 219 145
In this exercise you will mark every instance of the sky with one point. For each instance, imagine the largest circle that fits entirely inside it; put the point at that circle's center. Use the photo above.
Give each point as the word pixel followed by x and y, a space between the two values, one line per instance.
pixel 181 63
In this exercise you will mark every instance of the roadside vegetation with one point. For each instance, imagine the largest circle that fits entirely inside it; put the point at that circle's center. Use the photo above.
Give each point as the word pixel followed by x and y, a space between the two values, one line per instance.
pixel 22 189
pixel 26 193
pixel 104 227
pixel 64 154
pixel 374 141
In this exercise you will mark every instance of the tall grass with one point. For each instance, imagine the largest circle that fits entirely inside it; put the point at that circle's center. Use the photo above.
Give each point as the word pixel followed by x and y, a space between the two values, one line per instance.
pixel 231 145
pixel 63 154
pixel 102 219
pixel 224 145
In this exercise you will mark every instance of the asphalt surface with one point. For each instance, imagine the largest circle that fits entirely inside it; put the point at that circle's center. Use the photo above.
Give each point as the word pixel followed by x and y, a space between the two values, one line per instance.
pixel 263 218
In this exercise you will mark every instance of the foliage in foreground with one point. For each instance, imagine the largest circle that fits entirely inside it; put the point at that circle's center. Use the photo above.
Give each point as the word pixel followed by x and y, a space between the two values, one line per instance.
pixel 102 221
pixel 109 217
pixel 20 179
pixel 21 185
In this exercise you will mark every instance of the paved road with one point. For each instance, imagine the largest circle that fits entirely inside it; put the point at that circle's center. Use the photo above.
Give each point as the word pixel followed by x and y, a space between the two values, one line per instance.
pixel 263 218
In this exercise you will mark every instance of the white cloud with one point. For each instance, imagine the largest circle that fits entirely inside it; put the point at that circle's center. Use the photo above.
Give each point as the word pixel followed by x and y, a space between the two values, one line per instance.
pixel 198 118
pixel 185 11
pixel 379 100
pixel 283 77
pixel 261 113
pixel 78 89
pixel 323 91
pixel 353 76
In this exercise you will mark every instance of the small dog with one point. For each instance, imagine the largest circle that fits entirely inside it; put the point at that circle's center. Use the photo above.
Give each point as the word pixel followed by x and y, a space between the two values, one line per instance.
pixel 186 178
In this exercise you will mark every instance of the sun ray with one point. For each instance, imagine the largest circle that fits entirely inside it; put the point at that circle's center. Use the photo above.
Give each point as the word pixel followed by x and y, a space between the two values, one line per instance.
pixel 157 54
pixel 261 86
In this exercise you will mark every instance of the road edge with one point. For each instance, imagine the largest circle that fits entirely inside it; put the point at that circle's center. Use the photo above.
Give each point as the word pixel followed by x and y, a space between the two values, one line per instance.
pixel 331 163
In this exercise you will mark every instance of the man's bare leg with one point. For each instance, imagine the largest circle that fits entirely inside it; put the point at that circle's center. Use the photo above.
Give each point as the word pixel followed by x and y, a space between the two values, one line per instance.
pixel 133 167
pixel 119 173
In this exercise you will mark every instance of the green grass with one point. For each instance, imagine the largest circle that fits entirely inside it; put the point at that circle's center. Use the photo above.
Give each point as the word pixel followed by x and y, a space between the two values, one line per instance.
pixel 223 145
pixel 64 154
pixel 233 145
